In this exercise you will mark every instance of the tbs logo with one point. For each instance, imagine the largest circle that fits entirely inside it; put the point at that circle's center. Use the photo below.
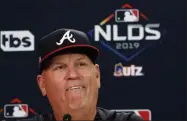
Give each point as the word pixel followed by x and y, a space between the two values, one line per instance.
pixel 16 41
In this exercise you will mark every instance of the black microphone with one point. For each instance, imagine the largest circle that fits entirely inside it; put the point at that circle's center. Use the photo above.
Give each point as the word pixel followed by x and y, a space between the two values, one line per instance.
pixel 67 117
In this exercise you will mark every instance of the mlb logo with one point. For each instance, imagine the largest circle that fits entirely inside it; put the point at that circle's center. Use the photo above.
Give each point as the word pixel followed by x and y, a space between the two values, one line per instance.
pixel 15 110
pixel 145 114
pixel 127 15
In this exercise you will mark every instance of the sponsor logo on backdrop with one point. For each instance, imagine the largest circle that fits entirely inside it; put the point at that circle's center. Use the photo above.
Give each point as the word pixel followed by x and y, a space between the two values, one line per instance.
pixel 11 41
pixel 126 71
pixel 127 32
pixel 144 113
pixel 15 110
pixel 24 110
pixel 128 15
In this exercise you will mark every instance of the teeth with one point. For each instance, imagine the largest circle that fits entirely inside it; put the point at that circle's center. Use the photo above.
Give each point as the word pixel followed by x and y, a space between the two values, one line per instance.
pixel 76 87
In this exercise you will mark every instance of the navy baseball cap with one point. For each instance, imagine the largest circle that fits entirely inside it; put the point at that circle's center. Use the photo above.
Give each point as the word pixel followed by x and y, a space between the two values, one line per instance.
pixel 64 41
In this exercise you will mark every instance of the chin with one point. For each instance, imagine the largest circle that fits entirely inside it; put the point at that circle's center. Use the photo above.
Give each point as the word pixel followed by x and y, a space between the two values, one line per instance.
pixel 77 105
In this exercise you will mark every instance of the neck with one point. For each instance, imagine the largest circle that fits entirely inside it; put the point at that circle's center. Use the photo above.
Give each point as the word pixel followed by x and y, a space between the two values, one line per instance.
pixel 79 115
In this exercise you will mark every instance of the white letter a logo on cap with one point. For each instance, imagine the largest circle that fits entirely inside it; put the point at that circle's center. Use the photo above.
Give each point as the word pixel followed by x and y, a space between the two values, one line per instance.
pixel 67 36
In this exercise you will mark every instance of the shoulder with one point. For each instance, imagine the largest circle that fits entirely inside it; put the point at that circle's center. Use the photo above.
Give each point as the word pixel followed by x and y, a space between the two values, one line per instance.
pixel 105 114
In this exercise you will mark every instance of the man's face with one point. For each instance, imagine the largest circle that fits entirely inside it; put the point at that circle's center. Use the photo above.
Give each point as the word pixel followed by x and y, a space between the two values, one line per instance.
pixel 70 83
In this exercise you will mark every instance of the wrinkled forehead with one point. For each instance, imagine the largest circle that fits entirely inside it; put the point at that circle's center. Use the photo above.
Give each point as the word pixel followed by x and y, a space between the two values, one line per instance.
pixel 70 57
pixel 62 57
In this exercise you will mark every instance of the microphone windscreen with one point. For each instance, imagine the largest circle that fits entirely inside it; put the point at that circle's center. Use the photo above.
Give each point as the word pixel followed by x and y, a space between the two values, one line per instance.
pixel 67 117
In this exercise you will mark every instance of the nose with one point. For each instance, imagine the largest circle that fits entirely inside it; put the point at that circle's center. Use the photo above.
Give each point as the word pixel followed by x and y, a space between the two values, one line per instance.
pixel 72 73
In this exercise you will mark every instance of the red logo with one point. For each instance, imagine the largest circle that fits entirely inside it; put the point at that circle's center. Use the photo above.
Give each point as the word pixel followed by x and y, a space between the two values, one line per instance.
pixel 18 101
pixel 144 113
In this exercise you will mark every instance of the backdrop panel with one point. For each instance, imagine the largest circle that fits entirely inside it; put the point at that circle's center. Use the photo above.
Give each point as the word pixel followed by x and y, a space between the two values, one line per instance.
pixel 153 40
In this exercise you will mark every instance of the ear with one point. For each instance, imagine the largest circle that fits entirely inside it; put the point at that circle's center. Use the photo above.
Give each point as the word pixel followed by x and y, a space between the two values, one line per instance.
pixel 97 75
pixel 41 84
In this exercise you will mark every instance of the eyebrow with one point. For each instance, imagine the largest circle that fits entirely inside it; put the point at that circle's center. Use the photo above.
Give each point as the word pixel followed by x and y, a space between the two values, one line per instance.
pixel 81 58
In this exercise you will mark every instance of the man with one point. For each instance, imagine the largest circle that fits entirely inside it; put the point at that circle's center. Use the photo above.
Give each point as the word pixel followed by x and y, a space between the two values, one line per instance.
pixel 70 78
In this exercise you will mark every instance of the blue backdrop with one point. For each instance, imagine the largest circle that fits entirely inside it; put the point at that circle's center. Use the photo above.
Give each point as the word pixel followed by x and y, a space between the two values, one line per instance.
pixel 161 88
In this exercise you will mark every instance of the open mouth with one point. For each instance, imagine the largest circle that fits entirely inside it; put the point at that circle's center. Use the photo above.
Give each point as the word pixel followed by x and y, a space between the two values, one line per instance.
pixel 75 87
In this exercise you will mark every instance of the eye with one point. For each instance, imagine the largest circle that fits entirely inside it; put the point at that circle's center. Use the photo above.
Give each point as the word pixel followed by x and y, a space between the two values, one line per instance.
pixel 59 67
pixel 81 64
